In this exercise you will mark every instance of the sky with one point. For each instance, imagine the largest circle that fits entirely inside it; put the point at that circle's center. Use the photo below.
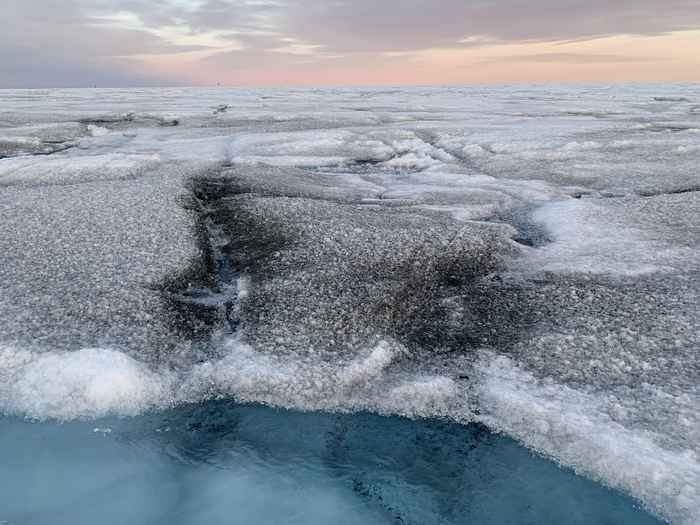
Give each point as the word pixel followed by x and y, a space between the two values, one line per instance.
pixel 75 43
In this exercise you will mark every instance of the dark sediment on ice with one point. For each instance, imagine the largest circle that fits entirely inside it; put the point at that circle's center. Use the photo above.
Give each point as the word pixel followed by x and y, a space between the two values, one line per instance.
pixel 329 272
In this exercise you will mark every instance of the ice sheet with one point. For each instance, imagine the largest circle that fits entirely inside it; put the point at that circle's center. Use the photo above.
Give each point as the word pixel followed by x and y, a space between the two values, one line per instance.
pixel 387 239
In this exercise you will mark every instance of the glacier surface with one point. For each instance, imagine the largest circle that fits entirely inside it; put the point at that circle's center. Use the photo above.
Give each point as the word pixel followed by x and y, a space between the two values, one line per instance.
pixel 523 258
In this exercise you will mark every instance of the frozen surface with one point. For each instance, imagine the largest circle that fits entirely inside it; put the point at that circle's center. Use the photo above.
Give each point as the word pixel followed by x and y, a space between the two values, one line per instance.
pixel 523 258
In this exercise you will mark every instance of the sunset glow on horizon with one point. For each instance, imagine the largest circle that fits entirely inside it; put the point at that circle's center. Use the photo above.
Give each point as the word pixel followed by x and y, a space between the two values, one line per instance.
pixel 284 42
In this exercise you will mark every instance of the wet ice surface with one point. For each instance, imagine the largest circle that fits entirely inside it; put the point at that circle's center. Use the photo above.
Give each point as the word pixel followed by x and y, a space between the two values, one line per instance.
pixel 525 258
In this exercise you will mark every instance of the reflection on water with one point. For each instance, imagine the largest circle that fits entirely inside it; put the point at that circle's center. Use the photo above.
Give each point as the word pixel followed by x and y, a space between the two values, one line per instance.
pixel 224 463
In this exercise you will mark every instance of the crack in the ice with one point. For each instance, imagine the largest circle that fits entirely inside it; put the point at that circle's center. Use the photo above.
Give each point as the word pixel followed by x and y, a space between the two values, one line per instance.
pixel 680 191
pixel 25 154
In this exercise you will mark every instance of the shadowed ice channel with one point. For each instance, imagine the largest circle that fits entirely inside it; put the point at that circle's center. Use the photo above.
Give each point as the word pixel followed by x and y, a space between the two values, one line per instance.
pixel 225 463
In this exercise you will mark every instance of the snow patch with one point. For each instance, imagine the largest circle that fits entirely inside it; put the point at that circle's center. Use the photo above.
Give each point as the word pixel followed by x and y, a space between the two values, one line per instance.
pixel 96 382
pixel 91 383
pixel 97 131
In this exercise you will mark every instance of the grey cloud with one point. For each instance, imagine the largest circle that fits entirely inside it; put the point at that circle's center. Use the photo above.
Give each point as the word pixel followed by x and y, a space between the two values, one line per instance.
pixel 210 15
pixel 572 58
pixel 66 43
pixel 68 31
pixel 351 25
pixel 22 68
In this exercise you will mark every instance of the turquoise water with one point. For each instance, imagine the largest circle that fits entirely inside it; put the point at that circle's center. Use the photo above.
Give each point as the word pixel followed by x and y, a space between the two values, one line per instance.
pixel 221 463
